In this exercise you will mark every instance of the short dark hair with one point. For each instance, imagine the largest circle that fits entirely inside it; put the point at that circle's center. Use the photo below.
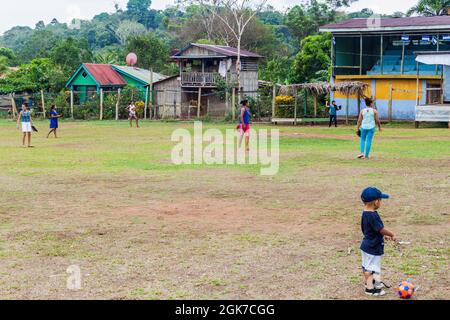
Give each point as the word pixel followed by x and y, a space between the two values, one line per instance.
pixel 368 101
pixel 53 106
pixel 334 101
pixel 244 102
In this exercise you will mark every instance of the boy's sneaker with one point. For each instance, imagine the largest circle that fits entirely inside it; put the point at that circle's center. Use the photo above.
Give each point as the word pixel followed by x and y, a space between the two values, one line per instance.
pixel 374 292
pixel 379 285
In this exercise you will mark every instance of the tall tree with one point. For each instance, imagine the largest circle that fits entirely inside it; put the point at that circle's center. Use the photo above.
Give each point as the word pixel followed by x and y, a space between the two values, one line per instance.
pixel 235 15
pixel 16 37
pixel 110 56
pixel 313 58
pixel 40 25
pixel 152 52
pixel 37 46
pixel 430 8
pixel 39 74
pixel 138 6
pixel 71 53
pixel 139 10
pixel 8 54
pixel 364 13
pixel 305 19
pixel 128 29
pixel 3 65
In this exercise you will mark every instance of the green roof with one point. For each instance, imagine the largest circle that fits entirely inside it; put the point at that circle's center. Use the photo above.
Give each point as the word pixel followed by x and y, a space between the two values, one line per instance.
pixel 139 74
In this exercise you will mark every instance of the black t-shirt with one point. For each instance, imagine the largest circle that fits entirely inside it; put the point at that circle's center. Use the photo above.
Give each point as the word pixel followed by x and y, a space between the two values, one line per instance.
pixel 373 242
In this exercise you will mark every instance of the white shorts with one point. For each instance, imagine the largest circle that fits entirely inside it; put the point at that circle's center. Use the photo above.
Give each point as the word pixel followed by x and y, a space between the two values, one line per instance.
pixel 26 127
pixel 371 263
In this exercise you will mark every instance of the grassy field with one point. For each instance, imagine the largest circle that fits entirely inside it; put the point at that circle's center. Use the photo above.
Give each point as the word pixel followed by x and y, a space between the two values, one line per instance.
pixel 108 199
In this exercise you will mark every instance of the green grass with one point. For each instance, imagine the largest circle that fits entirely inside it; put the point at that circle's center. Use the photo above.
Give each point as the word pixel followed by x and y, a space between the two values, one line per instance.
pixel 108 198
pixel 112 147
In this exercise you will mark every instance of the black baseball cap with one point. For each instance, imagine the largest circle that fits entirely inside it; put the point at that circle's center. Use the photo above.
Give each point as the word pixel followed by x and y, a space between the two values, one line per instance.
pixel 371 194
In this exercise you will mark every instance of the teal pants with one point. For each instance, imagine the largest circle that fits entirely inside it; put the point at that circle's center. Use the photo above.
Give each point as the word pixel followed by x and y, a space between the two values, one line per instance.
pixel 366 141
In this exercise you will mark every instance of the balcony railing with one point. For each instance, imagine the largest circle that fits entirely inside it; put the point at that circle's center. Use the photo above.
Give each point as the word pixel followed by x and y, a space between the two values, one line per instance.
pixel 201 79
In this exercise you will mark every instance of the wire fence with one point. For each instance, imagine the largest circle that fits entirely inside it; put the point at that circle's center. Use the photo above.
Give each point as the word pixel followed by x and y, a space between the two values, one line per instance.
pixel 184 104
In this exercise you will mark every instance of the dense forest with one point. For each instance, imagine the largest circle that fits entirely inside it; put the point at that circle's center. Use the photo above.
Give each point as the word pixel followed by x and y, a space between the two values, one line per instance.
pixel 43 57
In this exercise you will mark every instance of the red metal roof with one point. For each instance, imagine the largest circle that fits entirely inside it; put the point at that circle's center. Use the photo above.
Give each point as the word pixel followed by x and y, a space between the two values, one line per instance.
pixel 407 23
pixel 105 74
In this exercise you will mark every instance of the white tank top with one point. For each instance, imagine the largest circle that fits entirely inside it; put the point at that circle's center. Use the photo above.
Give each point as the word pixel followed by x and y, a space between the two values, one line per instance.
pixel 368 121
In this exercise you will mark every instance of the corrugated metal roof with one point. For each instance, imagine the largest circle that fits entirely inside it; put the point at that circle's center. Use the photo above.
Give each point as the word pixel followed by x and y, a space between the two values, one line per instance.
pixel 407 23
pixel 141 74
pixel 221 50
pixel 166 79
pixel 105 75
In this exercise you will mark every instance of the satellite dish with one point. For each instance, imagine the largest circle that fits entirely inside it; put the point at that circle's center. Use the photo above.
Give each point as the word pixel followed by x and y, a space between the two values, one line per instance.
pixel 131 59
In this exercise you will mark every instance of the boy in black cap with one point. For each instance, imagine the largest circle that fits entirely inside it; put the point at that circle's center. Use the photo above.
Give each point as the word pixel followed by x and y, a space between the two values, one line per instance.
pixel 372 246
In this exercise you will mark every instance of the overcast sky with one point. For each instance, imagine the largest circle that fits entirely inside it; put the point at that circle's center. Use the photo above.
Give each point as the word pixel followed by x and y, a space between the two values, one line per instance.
pixel 28 12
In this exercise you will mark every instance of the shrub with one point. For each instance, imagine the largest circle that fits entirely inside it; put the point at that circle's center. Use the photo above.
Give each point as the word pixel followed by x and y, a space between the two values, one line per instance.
pixel 284 106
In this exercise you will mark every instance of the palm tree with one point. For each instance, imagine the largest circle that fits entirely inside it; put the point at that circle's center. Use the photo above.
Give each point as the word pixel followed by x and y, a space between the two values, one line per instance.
pixel 108 57
pixel 430 8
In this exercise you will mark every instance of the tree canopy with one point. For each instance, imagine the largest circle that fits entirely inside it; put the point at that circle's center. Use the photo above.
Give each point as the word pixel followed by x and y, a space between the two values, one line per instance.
pixel 289 40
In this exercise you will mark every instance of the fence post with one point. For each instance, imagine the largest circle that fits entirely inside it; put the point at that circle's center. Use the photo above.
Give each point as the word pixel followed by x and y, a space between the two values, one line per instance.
pixel 71 104
pixel 227 97
pixel 315 106
pixel 359 103
pixel 199 102
pixel 151 113
pixel 274 92
pixel 13 105
pixel 295 107
pixel 101 104
pixel 305 107
pixel 233 102
pixel 146 102
pixel 43 102
pixel 346 110
pixel 174 106
pixel 151 89
pixel 417 84
pixel 390 102
pixel 189 111
pixel 117 104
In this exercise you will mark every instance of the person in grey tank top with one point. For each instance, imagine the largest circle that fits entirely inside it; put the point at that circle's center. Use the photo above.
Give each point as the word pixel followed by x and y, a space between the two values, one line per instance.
pixel 367 121
pixel 26 120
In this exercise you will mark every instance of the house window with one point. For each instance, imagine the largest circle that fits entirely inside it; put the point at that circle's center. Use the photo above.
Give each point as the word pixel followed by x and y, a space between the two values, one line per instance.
pixel 84 74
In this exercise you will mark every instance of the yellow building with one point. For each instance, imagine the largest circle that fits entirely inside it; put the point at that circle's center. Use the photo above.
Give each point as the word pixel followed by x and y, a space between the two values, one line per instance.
pixel 382 53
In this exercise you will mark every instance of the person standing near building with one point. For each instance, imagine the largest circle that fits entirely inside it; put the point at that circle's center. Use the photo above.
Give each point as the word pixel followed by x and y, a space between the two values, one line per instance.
pixel 26 121
pixel 333 108
pixel 367 120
